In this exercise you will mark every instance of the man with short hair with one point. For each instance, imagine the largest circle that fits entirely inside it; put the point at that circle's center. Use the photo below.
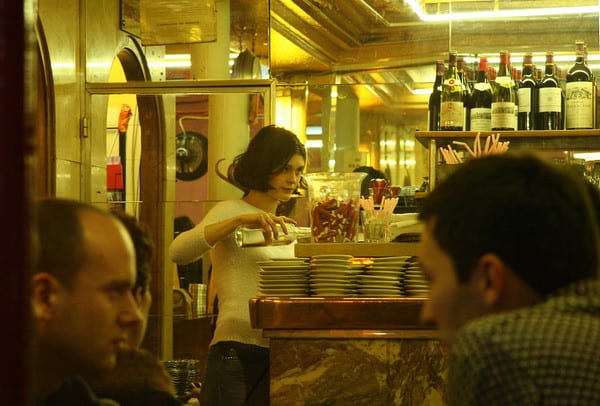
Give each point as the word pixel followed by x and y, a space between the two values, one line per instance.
pixel 81 297
pixel 511 249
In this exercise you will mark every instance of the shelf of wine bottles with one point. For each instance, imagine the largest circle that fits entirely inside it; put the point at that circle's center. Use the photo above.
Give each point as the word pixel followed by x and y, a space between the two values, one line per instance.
pixel 534 139
pixel 514 99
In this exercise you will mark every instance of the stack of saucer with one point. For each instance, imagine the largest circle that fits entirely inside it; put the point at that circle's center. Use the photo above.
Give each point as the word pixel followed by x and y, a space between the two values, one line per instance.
pixel 414 282
pixel 283 277
pixel 333 275
pixel 383 277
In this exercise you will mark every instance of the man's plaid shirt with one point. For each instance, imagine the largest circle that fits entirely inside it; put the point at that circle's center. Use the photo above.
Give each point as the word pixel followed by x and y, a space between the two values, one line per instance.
pixel 548 354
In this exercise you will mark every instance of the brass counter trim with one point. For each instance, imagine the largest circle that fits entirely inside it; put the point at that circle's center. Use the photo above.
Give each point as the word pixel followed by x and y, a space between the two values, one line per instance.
pixel 312 313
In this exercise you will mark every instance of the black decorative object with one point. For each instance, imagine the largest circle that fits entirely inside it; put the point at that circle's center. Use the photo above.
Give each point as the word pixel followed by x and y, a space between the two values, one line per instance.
pixel 191 153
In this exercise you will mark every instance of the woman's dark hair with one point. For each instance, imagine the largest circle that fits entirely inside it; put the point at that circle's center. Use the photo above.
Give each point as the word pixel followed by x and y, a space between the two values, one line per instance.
pixel 268 152
pixel 372 173
pixel 144 247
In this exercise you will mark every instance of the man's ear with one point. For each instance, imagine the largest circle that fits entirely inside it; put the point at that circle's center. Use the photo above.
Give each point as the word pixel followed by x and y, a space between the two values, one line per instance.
pixel 491 279
pixel 44 292
pixel 138 295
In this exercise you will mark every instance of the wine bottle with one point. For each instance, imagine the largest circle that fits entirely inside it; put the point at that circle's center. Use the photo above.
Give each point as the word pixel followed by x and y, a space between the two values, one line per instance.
pixel 481 99
pixel 527 95
pixel 452 104
pixel 551 98
pixel 503 96
pixel 462 74
pixel 580 93
pixel 435 98
pixel 516 75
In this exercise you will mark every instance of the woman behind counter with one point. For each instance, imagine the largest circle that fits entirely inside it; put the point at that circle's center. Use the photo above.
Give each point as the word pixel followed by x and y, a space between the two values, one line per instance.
pixel 269 172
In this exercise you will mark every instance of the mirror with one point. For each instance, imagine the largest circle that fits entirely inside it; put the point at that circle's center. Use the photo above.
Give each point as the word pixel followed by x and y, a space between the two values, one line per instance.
pixel 160 197
pixel 382 55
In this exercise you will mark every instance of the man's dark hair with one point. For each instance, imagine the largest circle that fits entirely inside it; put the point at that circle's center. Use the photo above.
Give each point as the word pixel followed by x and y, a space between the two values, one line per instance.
pixel 267 153
pixel 144 247
pixel 538 218
pixel 60 248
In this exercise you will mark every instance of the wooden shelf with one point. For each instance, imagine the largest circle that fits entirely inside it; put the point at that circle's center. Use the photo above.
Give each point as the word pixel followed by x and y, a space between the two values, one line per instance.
pixel 551 139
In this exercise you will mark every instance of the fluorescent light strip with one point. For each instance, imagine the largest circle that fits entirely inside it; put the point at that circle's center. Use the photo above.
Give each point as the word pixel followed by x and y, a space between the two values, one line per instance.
pixel 314 144
pixel 588 156
pixel 528 12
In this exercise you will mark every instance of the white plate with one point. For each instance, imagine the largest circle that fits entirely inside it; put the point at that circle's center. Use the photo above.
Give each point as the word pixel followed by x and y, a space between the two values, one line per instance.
pixel 303 259
pixel 330 284
pixel 329 266
pixel 330 261
pixel 414 279
pixel 333 275
pixel 413 274
pixel 340 271
pixel 333 292
pixel 413 268
pixel 385 274
pixel 417 293
pixel 283 268
pixel 281 263
pixel 332 256
pixel 297 282
pixel 277 286
pixel 365 277
pixel 283 274
pixel 283 292
pixel 401 258
pixel 417 286
pixel 390 264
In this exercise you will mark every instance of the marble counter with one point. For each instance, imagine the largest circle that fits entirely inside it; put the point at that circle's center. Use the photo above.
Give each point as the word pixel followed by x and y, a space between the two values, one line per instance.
pixel 350 351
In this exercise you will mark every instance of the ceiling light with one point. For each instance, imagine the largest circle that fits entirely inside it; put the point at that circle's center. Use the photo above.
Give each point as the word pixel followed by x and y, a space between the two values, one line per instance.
pixel 415 5
pixel 314 144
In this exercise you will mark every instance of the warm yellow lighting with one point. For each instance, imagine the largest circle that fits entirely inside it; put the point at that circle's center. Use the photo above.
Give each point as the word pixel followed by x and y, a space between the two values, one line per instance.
pixel 314 144
pixel 421 91
pixel 283 109
pixel 588 156
pixel 496 14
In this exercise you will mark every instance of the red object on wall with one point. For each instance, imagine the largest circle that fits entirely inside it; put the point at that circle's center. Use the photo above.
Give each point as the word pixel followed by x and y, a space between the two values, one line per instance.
pixel 114 176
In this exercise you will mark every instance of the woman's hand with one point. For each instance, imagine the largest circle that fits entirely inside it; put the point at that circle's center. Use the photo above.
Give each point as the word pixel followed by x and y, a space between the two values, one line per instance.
pixel 268 222
pixel 216 232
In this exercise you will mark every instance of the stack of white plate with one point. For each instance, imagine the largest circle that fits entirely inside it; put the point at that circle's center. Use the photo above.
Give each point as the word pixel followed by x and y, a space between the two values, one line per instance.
pixel 333 275
pixel 383 277
pixel 414 282
pixel 283 277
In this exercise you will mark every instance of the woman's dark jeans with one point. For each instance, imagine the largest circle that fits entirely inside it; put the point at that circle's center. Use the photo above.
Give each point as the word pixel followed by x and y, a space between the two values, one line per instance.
pixel 236 374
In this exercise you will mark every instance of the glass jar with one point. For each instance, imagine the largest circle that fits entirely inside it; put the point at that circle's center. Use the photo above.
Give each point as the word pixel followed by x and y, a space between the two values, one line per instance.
pixel 334 205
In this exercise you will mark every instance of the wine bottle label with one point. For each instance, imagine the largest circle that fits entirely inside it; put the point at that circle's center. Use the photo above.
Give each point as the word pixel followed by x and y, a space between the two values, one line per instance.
pixel 481 119
pixel 452 114
pixel 503 115
pixel 579 108
pixel 550 99
pixel 454 84
pixel 482 86
pixel 524 96
pixel 504 81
